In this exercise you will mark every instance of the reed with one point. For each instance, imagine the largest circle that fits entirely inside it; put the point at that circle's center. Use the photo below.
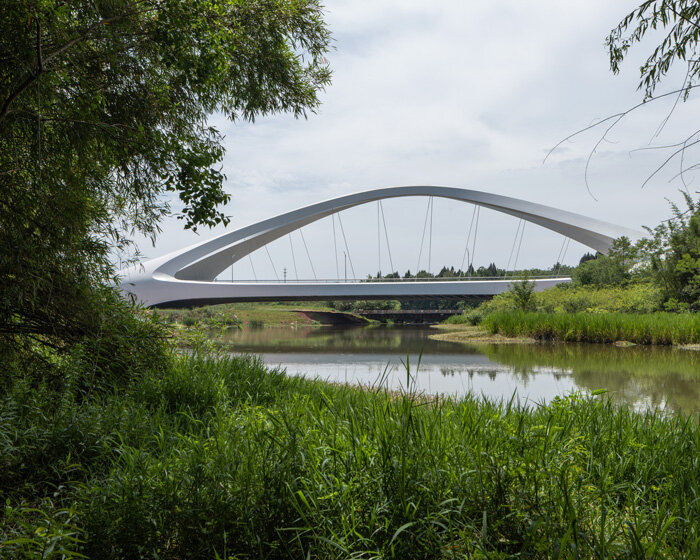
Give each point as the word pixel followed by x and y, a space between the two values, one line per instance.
pixel 651 328
pixel 224 458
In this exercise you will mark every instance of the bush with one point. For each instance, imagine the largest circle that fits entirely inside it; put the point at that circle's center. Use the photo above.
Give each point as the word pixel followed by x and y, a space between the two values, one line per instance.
pixel 642 297
pixel 226 458
pixel 523 294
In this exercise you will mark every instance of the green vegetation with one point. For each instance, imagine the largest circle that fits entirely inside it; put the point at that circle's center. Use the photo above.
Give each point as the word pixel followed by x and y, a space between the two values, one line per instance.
pixel 614 297
pixel 113 446
pixel 223 458
pixel 490 271
pixel 104 110
pixel 638 298
pixel 575 313
pixel 253 315
pixel 361 305
pixel 652 328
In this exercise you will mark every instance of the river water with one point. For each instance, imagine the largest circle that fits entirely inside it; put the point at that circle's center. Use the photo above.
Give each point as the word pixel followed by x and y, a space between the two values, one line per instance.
pixel 400 357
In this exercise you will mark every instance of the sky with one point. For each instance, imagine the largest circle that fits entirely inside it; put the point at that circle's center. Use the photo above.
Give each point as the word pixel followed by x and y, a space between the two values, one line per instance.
pixel 456 93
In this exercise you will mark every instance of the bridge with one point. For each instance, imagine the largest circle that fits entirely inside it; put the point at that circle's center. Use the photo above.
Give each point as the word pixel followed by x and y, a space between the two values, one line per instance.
pixel 188 277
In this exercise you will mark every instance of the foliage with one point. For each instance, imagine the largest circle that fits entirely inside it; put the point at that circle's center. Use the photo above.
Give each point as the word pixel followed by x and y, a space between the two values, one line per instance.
pixel 102 349
pixel 679 43
pixel 676 21
pixel 212 317
pixel 490 271
pixel 224 457
pixel 639 297
pixel 673 252
pixel 652 328
pixel 607 270
pixel 523 294
pixel 123 89
pixel 361 305
pixel 103 109
pixel 472 316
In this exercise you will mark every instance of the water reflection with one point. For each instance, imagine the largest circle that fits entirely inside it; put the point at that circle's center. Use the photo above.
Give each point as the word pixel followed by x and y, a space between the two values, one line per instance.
pixel 641 376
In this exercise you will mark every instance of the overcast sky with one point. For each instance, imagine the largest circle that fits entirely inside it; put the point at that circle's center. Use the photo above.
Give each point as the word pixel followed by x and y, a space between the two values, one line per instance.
pixel 457 93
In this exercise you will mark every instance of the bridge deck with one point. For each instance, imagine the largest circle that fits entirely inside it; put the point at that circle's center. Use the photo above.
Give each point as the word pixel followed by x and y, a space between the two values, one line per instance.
pixel 192 294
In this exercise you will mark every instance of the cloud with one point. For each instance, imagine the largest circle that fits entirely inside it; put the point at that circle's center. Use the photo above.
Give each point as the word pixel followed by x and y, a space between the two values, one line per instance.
pixel 454 93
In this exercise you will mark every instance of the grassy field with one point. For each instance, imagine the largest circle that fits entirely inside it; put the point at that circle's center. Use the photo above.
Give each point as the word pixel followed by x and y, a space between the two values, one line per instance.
pixel 222 458
pixel 650 328
pixel 254 314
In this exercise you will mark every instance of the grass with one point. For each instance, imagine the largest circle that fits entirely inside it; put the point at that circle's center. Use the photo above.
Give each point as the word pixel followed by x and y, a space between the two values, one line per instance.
pixel 651 328
pixel 223 458
pixel 470 334
pixel 252 315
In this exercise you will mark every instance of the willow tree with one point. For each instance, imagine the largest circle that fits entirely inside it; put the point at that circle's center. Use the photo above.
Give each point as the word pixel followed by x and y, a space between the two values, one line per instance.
pixel 104 108
pixel 673 249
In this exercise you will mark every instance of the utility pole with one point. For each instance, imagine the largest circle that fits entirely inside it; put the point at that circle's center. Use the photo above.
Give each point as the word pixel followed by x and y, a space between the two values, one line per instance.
pixel 346 265
pixel 284 271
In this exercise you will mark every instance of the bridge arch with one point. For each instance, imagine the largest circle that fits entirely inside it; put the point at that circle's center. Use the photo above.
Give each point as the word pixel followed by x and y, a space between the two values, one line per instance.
pixel 203 262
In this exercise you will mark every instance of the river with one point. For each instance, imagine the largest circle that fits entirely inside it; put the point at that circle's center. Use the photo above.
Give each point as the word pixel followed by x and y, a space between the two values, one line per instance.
pixel 643 377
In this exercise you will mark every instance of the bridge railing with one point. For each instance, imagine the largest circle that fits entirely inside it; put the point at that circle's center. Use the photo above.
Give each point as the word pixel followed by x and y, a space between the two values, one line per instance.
pixel 392 280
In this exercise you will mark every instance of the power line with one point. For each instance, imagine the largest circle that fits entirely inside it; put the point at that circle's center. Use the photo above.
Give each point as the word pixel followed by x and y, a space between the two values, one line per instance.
pixel 568 240
pixel 307 254
pixel 512 249
pixel 469 234
pixel 379 243
pixel 559 255
pixel 291 246
pixel 335 247
pixel 522 231
pixel 430 237
pixel 476 229
pixel 273 264
pixel 422 239
pixel 251 266
pixel 342 230
pixel 386 236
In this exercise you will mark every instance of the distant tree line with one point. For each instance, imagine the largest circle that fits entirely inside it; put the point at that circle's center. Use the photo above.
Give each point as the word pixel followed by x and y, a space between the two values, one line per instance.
pixel 490 271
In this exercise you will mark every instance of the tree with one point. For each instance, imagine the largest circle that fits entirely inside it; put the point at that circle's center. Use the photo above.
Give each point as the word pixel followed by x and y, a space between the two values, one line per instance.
pixel 607 270
pixel 524 294
pixel 103 109
pixel 680 42
pixel 681 21
pixel 673 252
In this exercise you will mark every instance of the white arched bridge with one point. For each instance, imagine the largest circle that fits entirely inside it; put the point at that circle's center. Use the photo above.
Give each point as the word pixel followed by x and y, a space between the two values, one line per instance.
pixel 188 277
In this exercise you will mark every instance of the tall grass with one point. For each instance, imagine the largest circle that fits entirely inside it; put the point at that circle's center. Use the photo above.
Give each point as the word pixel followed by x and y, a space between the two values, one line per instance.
pixel 651 328
pixel 223 458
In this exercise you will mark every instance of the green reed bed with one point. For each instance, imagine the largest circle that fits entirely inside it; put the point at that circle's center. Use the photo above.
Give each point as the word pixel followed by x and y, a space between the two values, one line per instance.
pixel 651 328
pixel 222 458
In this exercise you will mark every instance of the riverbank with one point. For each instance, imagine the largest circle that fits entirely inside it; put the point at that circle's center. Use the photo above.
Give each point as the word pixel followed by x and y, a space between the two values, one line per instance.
pixel 474 334
pixel 520 327
pixel 258 315
pixel 651 328
pixel 223 456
